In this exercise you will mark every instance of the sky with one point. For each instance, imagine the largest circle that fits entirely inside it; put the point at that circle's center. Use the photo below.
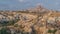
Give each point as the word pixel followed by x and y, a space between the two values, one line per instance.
pixel 24 4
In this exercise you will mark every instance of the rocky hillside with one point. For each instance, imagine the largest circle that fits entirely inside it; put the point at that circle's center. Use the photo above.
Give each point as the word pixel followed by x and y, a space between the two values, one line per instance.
pixel 37 20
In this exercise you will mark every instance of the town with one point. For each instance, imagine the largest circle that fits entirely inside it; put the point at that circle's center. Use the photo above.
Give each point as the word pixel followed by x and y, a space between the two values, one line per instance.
pixel 37 20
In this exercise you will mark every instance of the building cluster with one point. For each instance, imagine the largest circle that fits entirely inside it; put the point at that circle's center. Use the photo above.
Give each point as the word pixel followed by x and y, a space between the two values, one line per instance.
pixel 32 21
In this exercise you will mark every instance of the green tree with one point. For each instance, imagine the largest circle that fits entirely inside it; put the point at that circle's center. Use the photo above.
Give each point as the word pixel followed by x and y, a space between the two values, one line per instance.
pixel 52 31
pixel 4 30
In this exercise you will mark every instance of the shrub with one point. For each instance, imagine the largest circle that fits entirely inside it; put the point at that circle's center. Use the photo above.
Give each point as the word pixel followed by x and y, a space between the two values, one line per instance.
pixel 4 30
pixel 52 31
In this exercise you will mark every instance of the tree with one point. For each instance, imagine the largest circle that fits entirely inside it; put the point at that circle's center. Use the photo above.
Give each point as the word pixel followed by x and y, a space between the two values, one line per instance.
pixel 52 31
pixel 5 30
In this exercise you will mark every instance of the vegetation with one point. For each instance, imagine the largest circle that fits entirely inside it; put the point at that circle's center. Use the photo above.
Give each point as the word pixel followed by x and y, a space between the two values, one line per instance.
pixel 5 30
pixel 52 31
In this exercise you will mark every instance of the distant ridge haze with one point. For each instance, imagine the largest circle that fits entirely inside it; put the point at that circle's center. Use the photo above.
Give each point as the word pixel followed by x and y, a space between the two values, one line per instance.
pixel 24 4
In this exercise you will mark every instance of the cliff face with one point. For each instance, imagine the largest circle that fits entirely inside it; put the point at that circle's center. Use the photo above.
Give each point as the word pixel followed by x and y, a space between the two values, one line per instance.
pixel 33 21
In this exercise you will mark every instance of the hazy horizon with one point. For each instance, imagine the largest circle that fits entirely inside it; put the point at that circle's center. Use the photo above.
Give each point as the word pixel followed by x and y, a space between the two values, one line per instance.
pixel 24 4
